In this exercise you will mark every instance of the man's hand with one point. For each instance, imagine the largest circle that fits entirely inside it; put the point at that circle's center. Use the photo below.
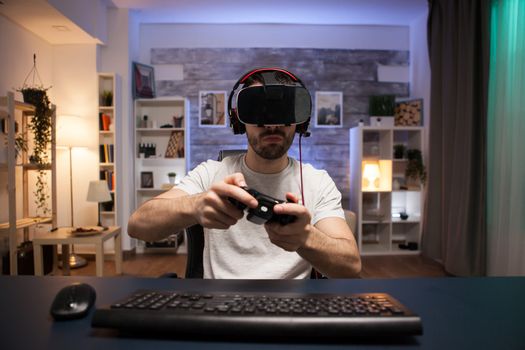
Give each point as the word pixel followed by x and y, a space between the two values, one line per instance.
pixel 213 209
pixel 290 237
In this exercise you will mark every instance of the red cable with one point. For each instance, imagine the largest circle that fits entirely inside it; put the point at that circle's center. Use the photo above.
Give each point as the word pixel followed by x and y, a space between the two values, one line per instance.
pixel 301 167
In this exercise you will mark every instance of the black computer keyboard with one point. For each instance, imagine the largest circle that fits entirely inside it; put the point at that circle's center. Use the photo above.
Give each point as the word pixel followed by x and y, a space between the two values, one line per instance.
pixel 289 315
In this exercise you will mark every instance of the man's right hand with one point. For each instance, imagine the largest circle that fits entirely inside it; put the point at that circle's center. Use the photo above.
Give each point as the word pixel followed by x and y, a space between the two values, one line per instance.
pixel 213 209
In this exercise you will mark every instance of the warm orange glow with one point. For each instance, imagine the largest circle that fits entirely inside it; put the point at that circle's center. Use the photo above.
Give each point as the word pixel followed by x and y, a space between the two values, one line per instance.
pixel 377 175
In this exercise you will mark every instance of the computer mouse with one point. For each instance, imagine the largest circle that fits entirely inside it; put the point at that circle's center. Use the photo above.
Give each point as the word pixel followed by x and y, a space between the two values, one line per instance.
pixel 73 301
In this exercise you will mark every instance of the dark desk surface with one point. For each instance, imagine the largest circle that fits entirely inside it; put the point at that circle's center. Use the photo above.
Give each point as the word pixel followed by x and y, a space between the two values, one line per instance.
pixel 457 313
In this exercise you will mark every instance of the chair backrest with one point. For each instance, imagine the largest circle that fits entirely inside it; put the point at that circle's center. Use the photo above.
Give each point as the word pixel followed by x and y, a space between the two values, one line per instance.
pixel 195 234
pixel 351 221
pixel 195 242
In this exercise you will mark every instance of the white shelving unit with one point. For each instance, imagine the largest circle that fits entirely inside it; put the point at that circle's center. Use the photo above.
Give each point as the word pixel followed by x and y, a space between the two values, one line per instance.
pixel 109 123
pixel 161 124
pixel 380 228
pixel 20 174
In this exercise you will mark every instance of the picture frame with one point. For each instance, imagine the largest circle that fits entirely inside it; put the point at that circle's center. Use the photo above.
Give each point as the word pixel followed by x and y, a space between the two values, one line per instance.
pixel 175 148
pixel 328 109
pixel 212 109
pixel 409 113
pixel 146 179
pixel 143 81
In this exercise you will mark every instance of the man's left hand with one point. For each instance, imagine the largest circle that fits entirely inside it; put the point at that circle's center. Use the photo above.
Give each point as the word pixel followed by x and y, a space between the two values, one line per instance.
pixel 290 237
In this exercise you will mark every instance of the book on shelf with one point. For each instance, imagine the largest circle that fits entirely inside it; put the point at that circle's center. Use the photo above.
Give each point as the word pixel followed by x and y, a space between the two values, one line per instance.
pixel 104 121
pixel 106 153
pixel 109 177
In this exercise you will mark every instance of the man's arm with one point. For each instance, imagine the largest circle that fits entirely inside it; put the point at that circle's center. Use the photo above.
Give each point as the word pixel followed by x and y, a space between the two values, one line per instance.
pixel 163 215
pixel 329 245
pixel 175 210
pixel 332 249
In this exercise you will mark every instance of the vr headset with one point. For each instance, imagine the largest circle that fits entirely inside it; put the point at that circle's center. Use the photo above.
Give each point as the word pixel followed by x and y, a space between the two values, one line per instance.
pixel 269 96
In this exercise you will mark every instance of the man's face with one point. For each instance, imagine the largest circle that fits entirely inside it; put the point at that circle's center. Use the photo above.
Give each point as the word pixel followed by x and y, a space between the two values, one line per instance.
pixel 270 142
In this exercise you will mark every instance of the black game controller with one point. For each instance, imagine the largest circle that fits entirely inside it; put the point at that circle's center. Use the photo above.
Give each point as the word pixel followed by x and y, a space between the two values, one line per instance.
pixel 264 211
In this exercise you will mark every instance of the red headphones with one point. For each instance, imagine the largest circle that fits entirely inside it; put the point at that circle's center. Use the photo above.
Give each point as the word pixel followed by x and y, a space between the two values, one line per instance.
pixel 237 126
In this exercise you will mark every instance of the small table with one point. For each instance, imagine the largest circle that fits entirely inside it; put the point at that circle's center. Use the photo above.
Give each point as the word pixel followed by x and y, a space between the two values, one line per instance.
pixel 64 237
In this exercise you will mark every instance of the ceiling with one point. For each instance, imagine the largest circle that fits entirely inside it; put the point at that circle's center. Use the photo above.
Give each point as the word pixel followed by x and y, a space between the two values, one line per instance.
pixel 44 20
pixel 338 12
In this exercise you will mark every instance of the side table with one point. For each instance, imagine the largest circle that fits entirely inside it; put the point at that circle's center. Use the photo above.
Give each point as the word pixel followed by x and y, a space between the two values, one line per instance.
pixel 63 236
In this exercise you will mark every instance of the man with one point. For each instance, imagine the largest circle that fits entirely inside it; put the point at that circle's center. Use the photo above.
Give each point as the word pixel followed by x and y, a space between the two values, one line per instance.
pixel 270 105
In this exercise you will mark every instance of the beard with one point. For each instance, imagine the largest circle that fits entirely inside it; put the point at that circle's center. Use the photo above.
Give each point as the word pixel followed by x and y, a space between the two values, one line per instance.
pixel 272 150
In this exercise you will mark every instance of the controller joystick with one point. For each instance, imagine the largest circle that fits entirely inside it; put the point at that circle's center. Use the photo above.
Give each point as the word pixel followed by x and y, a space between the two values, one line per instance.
pixel 264 211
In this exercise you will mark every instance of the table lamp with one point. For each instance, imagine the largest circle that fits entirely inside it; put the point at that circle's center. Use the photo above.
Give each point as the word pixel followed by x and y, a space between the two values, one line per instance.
pixel 371 175
pixel 377 175
pixel 98 192
pixel 71 134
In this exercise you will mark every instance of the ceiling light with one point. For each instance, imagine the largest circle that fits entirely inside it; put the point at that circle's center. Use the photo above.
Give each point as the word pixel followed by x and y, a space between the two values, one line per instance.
pixel 60 28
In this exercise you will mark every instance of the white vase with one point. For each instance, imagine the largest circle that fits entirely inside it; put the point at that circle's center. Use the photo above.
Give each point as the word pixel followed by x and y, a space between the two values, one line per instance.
pixel 171 179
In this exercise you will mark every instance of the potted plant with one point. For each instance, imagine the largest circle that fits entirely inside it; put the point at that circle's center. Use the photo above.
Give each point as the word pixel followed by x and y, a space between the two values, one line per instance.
pixel 415 169
pixel 381 110
pixel 399 151
pixel 171 177
pixel 107 98
pixel 40 127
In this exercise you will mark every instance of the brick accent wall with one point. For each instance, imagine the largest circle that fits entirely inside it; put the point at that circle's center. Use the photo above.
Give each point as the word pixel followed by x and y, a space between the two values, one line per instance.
pixel 354 72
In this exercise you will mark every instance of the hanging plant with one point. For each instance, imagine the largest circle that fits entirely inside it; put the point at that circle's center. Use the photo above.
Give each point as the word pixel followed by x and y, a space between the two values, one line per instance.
pixel 40 126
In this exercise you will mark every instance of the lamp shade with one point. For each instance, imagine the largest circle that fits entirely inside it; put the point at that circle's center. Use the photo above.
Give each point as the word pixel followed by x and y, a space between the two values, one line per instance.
pixel 98 192
pixel 371 171
pixel 377 175
pixel 72 131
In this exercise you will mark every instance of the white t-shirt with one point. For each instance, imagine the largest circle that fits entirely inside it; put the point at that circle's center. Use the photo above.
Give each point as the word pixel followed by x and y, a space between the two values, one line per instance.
pixel 244 250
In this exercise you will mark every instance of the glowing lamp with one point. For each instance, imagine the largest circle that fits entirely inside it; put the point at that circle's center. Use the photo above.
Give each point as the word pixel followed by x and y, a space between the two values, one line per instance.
pixel 377 175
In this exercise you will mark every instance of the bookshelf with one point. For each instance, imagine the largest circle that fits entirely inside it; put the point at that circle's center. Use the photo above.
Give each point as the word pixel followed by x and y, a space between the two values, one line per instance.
pixel 108 115
pixel 161 147
pixel 388 205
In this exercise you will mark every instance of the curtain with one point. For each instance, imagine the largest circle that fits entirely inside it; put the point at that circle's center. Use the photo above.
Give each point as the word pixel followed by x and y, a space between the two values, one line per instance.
pixel 454 226
pixel 506 140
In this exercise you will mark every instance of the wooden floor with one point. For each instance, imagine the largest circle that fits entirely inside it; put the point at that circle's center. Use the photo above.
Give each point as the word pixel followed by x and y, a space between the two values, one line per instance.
pixel 154 265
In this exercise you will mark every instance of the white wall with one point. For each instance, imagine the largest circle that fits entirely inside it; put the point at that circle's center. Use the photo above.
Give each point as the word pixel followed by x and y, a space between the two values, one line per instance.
pixel 116 57
pixel 272 35
pixel 76 92
pixel 16 56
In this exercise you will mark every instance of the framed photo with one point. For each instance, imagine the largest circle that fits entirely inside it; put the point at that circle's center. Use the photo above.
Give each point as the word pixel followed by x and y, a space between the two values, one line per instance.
pixel 143 81
pixel 328 109
pixel 409 113
pixel 146 179
pixel 212 108
pixel 175 148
